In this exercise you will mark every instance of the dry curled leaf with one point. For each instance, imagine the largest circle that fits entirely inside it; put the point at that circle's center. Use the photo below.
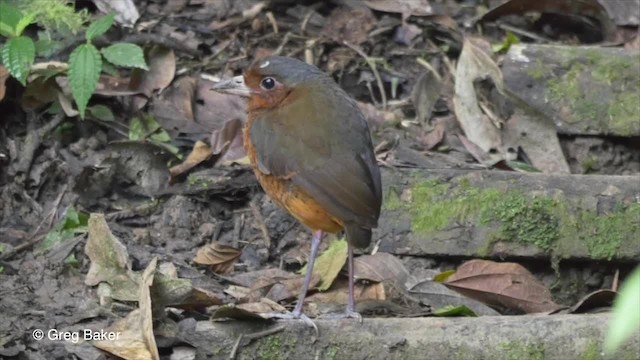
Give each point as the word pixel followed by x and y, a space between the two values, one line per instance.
pixel 200 152
pixel 135 338
pixel 220 257
pixel 502 285
pixel 380 267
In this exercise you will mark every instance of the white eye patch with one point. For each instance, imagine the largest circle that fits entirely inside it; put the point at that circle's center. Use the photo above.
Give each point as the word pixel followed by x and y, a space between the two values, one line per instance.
pixel 264 64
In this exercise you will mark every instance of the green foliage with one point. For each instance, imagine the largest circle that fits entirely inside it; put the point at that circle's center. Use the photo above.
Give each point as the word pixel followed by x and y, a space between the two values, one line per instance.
pixel 625 319
pixel 72 223
pixel 509 40
pixel 99 26
pixel 85 65
pixel 85 62
pixel 125 55
pixel 101 112
pixel 147 128
pixel 10 16
pixel 55 15
pixel 18 55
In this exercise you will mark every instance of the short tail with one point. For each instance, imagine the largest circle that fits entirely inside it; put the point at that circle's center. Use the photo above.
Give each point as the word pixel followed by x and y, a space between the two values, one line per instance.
pixel 358 236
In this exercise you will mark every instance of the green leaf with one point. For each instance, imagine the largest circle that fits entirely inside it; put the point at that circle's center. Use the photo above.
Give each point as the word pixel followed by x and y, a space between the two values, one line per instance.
pixel 100 26
pixel 443 276
pixel 85 65
pixel 24 22
pixel 72 223
pixel 101 112
pixel 509 40
pixel 451 310
pixel 10 16
pixel 625 318
pixel 139 127
pixel 17 56
pixel 125 55
pixel 329 263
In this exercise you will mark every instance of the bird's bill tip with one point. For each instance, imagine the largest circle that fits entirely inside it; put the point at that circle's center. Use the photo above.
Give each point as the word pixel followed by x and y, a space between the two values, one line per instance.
pixel 235 86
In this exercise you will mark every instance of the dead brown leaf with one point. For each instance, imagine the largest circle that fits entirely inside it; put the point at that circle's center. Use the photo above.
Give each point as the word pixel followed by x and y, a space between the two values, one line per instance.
pixel 290 288
pixel 135 338
pixel 596 301
pixel 476 64
pixel 109 259
pixel 181 294
pixel 339 293
pixel 4 75
pixel 425 94
pixel 248 311
pixel 228 141
pixel 380 267
pixel 502 285
pixel 39 92
pixel 162 70
pixel 350 24
pixel 433 137
pixel 221 257
pixel 200 152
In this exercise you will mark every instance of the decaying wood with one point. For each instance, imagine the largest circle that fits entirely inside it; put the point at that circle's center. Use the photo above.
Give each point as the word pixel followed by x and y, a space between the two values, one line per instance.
pixel 510 214
pixel 504 337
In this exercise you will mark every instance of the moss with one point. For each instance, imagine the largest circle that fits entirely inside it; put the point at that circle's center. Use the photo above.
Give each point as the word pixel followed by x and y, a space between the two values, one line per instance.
pixel 270 348
pixel 431 212
pixel 553 224
pixel 590 164
pixel 392 200
pixel 623 113
pixel 591 351
pixel 605 233
pixel 525 220
pixel 514 350
pixel 521 219
pixel 332 352
pixel 539 71
pixel 601 92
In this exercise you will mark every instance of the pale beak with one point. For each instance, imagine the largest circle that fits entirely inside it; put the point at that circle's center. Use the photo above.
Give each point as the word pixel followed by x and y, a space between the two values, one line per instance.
pixel 235 86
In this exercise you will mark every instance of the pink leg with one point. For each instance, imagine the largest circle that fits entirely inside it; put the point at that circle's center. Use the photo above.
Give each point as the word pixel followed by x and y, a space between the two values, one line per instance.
pixel 315 244
pixel 297 311
pixel 350 311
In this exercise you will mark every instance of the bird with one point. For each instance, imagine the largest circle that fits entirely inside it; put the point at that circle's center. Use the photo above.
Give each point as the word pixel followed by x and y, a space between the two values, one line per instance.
pixel 311 150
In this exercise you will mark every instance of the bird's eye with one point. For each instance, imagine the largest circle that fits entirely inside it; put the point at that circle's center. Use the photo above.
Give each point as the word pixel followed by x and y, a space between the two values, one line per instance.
pixel 268 83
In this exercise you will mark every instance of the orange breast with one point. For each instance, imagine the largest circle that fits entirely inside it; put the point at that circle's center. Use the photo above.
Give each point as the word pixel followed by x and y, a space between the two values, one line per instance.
pixel 289 196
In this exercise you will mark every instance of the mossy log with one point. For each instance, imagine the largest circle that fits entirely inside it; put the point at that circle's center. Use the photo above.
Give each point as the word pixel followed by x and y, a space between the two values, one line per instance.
pixel 504 214
pixel 504 337
pixel 583 90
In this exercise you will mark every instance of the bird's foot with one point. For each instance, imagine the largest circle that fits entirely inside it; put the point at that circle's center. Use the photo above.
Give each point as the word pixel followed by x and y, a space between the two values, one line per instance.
pixel 295 316
pixel 348 313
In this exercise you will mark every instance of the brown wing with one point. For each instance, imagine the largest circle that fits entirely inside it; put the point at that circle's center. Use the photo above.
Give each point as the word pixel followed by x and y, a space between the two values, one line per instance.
pixel 325 151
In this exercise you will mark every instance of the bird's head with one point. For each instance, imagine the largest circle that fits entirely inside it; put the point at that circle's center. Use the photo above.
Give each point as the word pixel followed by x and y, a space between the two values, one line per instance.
pixel 272 81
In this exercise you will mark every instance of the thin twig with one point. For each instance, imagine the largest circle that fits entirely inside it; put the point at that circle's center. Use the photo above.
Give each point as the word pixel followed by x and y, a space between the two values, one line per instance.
pixel 272 20
pixel 616 279
pixel 284 42
pixel 261 224
pixel 254 336
pixel 521 32
pixel 372 65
